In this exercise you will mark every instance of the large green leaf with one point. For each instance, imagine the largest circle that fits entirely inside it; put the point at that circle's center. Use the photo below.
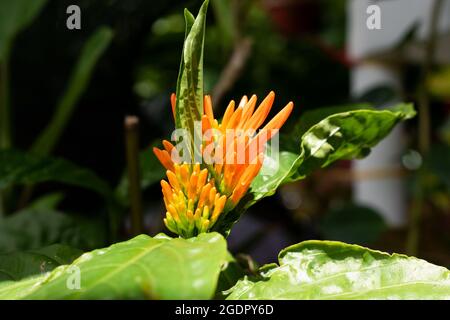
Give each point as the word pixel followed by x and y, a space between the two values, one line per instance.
pixel 14 17
pixel 20 168
pixel 143 267
pixel 344 135
pixel 189 102
pixel 91 52
pixel 335 270
pixel 312 117
pixel 18 265
pixel 36 227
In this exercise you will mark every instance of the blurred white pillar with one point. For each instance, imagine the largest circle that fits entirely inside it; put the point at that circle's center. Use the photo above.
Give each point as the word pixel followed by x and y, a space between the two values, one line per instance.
pixel 385 193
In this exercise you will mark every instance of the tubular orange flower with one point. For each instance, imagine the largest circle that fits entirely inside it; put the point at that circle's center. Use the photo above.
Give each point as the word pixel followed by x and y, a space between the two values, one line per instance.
pixel 195 198
pixel 239 155
pixel 192 202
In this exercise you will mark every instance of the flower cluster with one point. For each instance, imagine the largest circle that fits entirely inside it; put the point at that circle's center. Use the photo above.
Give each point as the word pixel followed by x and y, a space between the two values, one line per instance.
pixel 197 195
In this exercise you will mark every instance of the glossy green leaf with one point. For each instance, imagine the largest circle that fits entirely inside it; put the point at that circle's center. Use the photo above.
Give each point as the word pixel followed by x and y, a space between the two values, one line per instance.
pixel 345 135
pixel 143 267
pixel 312 117
pixel 81 74
pixel 189 102
pixel 335 270
pixel 18 265
pixel 35 227
pixel 14 17
pixel 20 168
pixel 189 21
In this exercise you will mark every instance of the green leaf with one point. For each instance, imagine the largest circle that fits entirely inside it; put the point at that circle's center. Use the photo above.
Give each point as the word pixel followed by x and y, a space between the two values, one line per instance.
pixel 20 168
pixel 82 73
pixel 18 265
pixel 34 228
pixel 14 17
pixel 143 267
pixel 335 270
pixel 48 201
pixel 189 102
pixel 345 135
pixel 352 223
pixel 189 20
pixel 151 172
pixel 312 117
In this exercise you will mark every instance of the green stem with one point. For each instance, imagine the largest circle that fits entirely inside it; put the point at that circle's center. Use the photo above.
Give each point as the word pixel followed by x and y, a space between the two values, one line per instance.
pixel 134 178
pixel 412 241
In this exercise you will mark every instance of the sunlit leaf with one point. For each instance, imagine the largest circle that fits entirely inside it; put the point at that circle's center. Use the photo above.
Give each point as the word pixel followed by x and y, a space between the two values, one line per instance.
pixel 335 270
pixel 140 268
pixel 345 135
pixel 189 102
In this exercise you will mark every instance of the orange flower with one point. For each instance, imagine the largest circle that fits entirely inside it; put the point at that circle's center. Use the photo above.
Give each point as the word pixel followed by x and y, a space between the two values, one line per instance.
pixel 239 153
pixel 232 155
pixel 192 202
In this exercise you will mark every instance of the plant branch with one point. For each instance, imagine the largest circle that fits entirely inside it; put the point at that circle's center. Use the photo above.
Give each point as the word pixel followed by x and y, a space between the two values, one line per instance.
pixel 133 171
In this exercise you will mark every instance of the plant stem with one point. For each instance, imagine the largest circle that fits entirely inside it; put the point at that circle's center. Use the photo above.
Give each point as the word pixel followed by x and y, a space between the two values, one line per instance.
pixel 424 99
pixel 134 178
pixel 412 242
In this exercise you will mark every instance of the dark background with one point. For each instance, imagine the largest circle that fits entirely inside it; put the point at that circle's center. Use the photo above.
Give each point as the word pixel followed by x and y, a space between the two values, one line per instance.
pixel 302 59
